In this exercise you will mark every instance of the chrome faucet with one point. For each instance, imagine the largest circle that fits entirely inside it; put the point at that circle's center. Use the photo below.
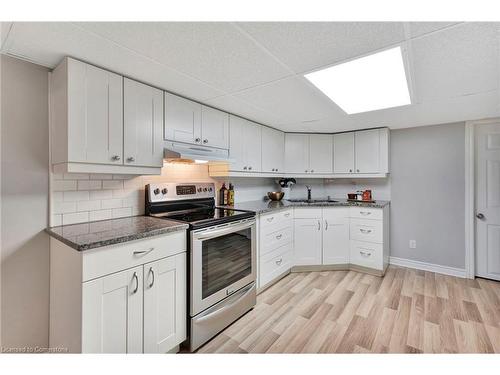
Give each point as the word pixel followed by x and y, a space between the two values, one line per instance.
pixel 308 193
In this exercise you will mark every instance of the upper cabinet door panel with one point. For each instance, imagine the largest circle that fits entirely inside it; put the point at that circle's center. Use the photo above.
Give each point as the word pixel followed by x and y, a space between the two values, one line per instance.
pixel 214 127
pixel 237 143
pixel 296 153
pixel 95 114
pixel 343 153
pixel 367 146
pixel 143 125
pixel 182 119
pixel 273 150
pixel 252 144
pixel 320 153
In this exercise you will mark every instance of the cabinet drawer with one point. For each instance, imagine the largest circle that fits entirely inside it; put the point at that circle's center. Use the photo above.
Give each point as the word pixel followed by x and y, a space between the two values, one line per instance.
pixel 273 240
pixel 366 230
pixel 264 258
pixel 110 259
pixel 307 213
pixel 275 266
pixel 278 220
pixel 366 254
pixel 367 213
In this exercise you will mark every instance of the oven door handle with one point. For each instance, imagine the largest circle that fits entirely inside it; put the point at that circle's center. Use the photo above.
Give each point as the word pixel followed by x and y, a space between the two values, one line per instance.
pixel 238 296
pixel 222 231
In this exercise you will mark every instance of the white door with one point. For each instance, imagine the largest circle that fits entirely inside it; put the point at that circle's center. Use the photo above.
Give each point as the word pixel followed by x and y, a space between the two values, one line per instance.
pixel 182 119
pixel 367 146
pixel 307 241
pixel 165 304
pixel 95 114
pixel 343 153
pixel 142 124
pixel 252 146
pixel 112 313
pixel 336 235
pixel 273 150
pixel 214 127
pixel 237 143
pixel 297 153
pixel 488 201
pixel 320 153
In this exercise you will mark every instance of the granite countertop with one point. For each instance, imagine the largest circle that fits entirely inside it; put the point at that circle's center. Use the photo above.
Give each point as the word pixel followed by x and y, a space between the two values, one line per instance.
pixel 95 234
pixel 262 206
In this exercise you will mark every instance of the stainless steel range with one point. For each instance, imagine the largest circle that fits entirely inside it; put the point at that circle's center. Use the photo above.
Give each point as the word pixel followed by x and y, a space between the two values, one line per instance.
pixel 221 245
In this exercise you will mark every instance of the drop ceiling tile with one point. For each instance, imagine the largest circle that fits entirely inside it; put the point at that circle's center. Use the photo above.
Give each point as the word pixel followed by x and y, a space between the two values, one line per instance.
pixel 458 61
pixel 305 46
pixel 214 52
pixel 46 43
pixel 421 28
pixel 291 99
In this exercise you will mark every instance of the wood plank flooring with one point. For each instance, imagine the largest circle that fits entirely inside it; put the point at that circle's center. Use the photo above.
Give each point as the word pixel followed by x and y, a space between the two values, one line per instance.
pixel 406 311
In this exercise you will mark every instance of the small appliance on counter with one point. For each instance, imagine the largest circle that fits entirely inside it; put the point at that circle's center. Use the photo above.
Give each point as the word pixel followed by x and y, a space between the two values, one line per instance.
pixel 361 196
pixel 285 184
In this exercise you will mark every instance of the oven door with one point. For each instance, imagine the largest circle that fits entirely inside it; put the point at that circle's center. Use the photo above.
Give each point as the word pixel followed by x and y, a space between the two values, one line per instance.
pixel 222 262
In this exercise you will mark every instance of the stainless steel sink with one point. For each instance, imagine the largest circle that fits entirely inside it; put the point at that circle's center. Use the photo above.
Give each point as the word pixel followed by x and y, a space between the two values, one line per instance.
pixel 311 200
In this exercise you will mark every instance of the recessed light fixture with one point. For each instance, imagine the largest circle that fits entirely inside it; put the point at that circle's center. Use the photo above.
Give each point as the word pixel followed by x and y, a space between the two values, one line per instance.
pixel 366 84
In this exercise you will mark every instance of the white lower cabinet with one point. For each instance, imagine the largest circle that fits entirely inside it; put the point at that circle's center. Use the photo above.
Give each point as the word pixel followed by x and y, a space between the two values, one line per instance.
pixel 308 241
pixel 335 236
pixel 126 298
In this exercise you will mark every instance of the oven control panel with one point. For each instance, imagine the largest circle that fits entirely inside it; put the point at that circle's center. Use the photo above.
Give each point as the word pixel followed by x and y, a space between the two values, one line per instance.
pixel 177 191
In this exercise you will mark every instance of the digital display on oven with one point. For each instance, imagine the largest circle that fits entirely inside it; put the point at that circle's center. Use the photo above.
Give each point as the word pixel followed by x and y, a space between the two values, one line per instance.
pixel 186 189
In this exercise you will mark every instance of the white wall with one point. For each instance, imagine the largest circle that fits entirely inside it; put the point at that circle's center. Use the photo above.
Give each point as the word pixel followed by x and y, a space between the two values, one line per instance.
pixel 24 196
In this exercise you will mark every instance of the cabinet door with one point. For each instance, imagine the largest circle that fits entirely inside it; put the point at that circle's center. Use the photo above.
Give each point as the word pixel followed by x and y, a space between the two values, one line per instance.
pixel 343 153
pixel 320 153
pixel 143 125
pixel 336 236
pixel 252 145
pixel 95 115
pixel 273 150
pixel 367 146
pixel 182 119
pixel 307 236
pixel 214 127
pixel 112 313
pixel 165 304
pixel 237 143
pixel 296 153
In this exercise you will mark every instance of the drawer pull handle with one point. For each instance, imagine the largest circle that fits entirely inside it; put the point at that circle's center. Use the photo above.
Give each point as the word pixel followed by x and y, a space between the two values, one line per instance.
pixel 279 261
pixel 143 252
pixel 365 231
pixel 365 254
pixel 152 273
pixel 287 214
pixel 279 236
pixel 136 278
pixel 326 224
pixel 365 213
pixel 319 225
pixel 269 219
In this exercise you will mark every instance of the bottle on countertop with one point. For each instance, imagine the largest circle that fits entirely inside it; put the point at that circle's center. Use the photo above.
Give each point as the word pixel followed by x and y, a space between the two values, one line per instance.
pixel 231 195
pixel 223 195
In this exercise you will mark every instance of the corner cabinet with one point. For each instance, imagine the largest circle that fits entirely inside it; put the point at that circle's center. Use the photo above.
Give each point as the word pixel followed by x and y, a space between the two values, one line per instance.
pixel 126 298
pixel 87 128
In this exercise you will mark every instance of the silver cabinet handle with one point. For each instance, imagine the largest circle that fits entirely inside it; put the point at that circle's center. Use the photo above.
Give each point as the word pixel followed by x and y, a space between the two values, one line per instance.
pixel 287 214
pixel 143 252
pixel 306 170
pixel 279 236
pixel 350 170
pixel 131 159
pixel 269 219
pixel 152 273
pixel 312 170
pixel 365 254
pixel 365 231
pixel 319 225
pixel 276 169
pixel 197 140
pixel 364 213
pixel 136 278
pixel 480 216
pixel 326 224
pixel 279 261
pixel 357 170
pixel 245 168
pixel 249 168
pixel 115 157
pixel 205 141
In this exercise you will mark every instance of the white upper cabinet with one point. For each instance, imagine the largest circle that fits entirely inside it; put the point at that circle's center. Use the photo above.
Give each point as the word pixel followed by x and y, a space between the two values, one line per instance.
pixel 143 125
pixel 372 150
pixel 245 145
pixel 296 153
pixel 214 127
pixel 182 119
pixel 273 150
pixel 87 109
pixel 343 153
pixel 320 153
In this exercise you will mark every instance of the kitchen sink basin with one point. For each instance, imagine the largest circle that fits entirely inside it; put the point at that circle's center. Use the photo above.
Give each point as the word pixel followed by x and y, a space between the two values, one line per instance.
pixel 311 200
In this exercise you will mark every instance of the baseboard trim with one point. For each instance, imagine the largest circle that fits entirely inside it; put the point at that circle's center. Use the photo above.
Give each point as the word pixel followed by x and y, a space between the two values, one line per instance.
pixel 445 270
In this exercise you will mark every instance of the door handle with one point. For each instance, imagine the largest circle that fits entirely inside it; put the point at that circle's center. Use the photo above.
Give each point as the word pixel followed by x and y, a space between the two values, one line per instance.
pixel 319 225
pixel 152 273
pixel 136 278
pixel 480 216
pixel 326 224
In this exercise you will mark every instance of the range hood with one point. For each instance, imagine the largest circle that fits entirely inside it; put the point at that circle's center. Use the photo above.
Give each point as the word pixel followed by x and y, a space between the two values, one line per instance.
pixel 176 151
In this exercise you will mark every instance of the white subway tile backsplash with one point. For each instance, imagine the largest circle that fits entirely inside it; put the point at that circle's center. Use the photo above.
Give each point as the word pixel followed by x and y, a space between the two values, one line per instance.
pixel 76 196
pixel 100 194
pixel 112 184
pixel 76 176
pixel 57 196
pixel 56 220
pixel 74 218
pixel 88 205
pixel 89 185
pixel 63 185
pixel 57 176
pixel 122 176
pixel 63 207
pixel 122 212
pixel 100 215
pixel 111 203
pixel 101 176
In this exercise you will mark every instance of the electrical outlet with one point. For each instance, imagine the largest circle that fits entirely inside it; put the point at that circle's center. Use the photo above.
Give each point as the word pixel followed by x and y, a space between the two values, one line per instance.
pixel 413 244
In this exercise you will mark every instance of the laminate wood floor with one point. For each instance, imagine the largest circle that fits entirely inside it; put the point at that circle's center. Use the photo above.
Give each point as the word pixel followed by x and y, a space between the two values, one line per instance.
pixel 406 311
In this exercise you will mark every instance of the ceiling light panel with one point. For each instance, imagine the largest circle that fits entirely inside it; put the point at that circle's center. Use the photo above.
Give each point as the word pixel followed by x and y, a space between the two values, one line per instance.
pixel 366 84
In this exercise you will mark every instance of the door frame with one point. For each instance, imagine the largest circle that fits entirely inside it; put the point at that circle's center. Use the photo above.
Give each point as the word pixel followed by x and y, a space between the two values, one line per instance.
pixel 470 192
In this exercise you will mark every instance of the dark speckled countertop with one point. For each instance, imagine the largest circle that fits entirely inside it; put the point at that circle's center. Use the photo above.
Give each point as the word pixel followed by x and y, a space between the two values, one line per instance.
pixel 262 206
pixel 95 234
